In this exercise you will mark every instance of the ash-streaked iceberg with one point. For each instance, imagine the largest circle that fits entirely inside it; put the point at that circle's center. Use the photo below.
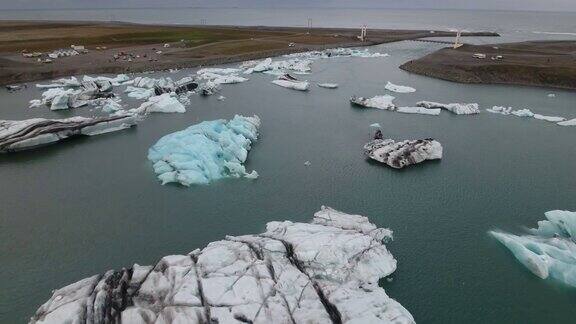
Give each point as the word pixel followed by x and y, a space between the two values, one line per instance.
pixel 205 152
pixel 18 135
pixel 325 271
pixel 404 153
pixel 548 251
pixel 399 88
pixel 456 108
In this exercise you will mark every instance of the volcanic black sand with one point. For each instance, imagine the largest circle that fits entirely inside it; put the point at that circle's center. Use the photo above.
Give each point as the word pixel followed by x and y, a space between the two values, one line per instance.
pixel 139 46
pixel 535 63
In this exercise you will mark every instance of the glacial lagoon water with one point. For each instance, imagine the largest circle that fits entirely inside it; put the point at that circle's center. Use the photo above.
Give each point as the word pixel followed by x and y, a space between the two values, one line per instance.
pixel 79 208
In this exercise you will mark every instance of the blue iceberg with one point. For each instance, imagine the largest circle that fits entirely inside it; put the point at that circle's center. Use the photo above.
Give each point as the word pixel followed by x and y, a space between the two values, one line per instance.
pixel 205 152
pixel 548 251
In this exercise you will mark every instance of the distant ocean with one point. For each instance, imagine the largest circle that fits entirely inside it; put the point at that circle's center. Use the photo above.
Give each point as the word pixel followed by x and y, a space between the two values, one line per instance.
pixel 513 25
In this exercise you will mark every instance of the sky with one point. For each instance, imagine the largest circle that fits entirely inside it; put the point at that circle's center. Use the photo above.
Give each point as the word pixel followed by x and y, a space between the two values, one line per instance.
pixel 534 5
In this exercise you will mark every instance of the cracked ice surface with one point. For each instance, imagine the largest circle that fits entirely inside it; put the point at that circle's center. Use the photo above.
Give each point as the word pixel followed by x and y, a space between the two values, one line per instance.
pixel 205 152
pixel 548 251
pixel 325 271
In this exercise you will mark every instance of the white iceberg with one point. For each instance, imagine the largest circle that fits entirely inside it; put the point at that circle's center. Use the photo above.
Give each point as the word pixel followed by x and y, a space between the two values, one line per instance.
pixel 548 251
pixel 398 88
pixel 500 110
pixel 118 80
pixel 31 133
pixel 110 105
pixel 379 102
pixel 418 110
pixel 376 125
pixel 205 152
pixel 293 84
pixel 336 52
pixel 328 85
pixel 139 93
pixel 164 103
pixel 523 113
pixel 571 122
pixel 456 108
pixel 404 153
pixel 71 82
pixel 553 119
pixel 219 71
pixel 325 271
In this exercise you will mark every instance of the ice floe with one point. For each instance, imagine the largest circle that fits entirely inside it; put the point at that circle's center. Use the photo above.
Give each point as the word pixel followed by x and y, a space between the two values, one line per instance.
pixel 418 110
pixel 71 82
pixel 528 113
pixel 548 251
pixel 292 84
pixel 209 88
pixel 164 103
pixel 328 85
pixel 553 119
pixel 31 133
pixel 398 88
pixel 325 271
pixel 205 152
pixel 404 153
pixel 139 93
pixel 379 102
pixel 336 52
pixel 571 122
pixel 456 108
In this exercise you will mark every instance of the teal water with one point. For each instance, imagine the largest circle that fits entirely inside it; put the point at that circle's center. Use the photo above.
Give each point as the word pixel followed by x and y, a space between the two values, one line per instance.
pixel 88 205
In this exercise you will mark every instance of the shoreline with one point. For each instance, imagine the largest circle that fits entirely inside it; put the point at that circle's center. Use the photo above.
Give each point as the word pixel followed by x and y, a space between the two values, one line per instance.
pixel 197 45
pixel 547 64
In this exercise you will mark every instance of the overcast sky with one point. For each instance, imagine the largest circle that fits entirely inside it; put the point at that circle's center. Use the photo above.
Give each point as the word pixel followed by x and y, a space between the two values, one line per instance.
pixel 537 5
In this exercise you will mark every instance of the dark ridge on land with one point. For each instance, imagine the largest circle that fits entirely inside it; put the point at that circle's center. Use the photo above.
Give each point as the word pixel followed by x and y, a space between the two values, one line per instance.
pixel 190 46
pixel 536 63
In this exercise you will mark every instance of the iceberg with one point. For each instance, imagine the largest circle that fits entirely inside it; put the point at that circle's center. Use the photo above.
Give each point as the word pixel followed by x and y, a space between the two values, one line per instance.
pixel 31 133
pixel 222 79
pixel 205 152
pixel 293 84
pixel 110 105
pixel 500 110
pixel 324 271
pixel 548 251
pixel 552 119
pixel 139 93
pixel 456 108
pixel 328 85
pixel 401 154
pixel 118 80
pixel 398 88
pixel 379 102
pixel 72 82
pixel 209 88
pixel 571 122
pixel 418 110
pixel 336 52
pixel 376 125
pixel 164 103
pixel 523 113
